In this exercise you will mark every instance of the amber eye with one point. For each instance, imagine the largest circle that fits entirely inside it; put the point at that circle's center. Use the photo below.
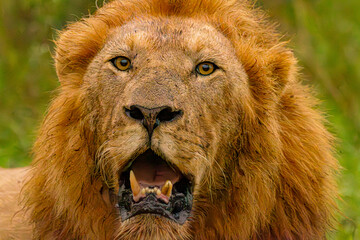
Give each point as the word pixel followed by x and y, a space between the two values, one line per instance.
pixel 205 68
pixel 121 63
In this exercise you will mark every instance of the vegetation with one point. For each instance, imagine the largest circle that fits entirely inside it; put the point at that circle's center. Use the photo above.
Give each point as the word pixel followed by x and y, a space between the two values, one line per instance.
pixel 324 33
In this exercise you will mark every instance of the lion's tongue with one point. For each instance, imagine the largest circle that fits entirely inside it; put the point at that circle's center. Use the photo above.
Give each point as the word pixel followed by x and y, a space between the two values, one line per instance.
pixel 153 175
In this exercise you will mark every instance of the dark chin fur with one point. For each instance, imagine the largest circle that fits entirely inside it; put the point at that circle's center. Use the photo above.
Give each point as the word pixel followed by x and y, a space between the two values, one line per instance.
pixel 151 227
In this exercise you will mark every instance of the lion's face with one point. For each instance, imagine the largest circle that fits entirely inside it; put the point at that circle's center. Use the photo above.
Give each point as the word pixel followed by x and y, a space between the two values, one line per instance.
pixel 161 94
pixel 180 120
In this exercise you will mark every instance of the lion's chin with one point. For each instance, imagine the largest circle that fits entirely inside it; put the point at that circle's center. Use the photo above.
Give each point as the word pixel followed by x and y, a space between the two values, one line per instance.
pixel 149 186
pixel 151 226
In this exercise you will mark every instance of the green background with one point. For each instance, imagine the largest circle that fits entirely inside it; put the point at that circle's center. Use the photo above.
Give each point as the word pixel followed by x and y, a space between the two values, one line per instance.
pixel 325 35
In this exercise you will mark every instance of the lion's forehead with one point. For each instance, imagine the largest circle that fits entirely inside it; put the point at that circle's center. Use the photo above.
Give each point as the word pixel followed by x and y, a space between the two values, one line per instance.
pixel 195 38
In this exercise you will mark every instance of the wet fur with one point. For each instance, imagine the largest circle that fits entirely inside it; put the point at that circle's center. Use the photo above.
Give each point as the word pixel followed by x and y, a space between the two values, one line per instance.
pixel 265 166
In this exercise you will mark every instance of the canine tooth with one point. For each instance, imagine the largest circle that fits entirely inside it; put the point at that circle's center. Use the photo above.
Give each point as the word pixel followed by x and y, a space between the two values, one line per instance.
pixel 135 187
pixel 167 188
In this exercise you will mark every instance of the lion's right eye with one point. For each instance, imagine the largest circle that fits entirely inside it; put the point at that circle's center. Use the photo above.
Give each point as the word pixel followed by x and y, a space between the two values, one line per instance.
pixel 206 68
pixel 121 63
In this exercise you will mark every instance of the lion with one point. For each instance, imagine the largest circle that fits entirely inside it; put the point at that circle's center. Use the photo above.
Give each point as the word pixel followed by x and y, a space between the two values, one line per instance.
pixel 180 120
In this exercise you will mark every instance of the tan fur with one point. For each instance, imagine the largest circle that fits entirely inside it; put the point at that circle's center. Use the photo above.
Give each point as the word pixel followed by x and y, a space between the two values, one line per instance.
pixel 13 223
pixel 250 135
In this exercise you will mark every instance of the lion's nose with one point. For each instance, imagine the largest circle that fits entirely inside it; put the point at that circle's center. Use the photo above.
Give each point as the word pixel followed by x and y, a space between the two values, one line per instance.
pixel 152 117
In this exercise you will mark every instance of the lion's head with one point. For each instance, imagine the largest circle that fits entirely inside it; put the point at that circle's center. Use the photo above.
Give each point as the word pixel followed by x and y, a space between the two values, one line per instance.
pixel 180 120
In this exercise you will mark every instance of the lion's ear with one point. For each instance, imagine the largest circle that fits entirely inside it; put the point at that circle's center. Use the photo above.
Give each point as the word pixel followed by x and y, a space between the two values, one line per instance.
pixel 269 70
pixel 283 66
pixel 76 47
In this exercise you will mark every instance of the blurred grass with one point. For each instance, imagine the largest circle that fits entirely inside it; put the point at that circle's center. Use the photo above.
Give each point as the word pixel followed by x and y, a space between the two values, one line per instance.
pixel 27 75
pixel 325 35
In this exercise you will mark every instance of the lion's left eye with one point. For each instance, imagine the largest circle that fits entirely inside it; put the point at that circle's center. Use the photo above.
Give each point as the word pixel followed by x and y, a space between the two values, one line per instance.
pixel 206 68
pixel 121 63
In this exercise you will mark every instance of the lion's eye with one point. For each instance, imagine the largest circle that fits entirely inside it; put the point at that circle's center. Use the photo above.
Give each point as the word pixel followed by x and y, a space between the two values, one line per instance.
pixel 121 63
pixel 206 68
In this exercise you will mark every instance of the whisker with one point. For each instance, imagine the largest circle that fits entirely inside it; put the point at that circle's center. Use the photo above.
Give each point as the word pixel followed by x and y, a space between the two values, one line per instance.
pixel 178 137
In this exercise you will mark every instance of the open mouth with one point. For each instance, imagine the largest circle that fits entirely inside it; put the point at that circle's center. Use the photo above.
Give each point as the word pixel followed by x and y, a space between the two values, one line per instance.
pixel 151 186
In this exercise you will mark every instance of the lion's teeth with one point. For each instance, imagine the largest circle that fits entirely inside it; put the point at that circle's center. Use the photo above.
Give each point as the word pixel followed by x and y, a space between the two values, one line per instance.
pixel 167 188
pixel 148 190
pixel 158 192
pixel 135 187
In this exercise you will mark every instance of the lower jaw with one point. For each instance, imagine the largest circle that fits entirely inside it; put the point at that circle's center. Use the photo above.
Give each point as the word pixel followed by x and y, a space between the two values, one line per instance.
pixel 178 209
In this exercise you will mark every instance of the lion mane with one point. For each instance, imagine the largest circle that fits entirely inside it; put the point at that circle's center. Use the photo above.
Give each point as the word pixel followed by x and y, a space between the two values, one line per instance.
pixel 272 177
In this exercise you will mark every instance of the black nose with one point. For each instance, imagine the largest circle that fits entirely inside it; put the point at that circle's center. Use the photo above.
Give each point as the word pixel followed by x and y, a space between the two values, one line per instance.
pixel 152 117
